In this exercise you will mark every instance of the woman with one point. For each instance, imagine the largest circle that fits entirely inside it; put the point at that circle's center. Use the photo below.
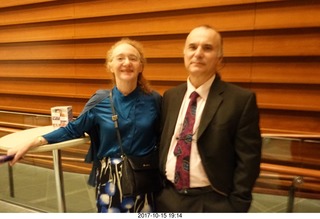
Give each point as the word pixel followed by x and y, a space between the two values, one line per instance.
pixel 138 109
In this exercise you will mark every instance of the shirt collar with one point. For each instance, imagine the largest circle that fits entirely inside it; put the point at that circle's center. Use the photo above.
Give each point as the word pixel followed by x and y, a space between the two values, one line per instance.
pixel 203 90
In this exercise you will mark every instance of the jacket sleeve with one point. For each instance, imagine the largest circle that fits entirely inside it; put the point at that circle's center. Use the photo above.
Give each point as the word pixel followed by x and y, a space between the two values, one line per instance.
pixel 248 152
pixel 92 151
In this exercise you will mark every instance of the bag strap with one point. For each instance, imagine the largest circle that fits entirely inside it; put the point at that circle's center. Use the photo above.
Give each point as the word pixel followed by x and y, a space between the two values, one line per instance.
pixel 115 120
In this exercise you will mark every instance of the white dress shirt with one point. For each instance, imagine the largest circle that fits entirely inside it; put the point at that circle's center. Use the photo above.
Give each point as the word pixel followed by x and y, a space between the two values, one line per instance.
pixel 198 177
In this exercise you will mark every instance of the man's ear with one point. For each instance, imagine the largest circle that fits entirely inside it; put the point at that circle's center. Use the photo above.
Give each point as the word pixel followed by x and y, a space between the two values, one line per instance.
pixel 220 63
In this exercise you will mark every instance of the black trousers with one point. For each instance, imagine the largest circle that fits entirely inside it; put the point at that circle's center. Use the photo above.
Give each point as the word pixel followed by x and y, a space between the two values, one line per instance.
pixel 195 201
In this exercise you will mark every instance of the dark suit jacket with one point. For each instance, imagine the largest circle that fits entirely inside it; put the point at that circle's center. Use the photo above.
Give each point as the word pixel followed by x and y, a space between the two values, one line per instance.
pixel 229 139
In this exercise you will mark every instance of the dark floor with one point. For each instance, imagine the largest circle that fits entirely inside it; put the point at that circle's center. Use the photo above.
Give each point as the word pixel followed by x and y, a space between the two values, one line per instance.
pixel 35 191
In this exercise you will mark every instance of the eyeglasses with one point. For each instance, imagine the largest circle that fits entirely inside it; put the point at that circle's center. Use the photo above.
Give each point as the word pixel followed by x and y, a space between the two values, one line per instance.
pixel 123 58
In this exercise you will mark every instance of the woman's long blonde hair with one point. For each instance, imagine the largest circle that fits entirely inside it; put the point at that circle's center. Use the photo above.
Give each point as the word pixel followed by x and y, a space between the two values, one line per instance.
pixel 142 82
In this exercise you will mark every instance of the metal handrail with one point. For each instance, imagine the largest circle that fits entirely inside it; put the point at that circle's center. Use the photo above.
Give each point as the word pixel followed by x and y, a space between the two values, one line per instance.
pixel 296 136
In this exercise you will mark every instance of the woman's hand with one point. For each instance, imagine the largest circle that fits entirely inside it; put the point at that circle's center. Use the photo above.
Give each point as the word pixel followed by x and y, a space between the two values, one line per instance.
pixel 20 150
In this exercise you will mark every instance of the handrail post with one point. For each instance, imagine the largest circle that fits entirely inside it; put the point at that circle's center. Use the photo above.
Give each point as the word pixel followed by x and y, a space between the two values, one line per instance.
pixel 296 181
pixel 11 184
pixel 57 165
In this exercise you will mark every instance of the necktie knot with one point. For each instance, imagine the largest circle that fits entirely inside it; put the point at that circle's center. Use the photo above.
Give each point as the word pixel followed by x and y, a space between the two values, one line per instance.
pixel 193 96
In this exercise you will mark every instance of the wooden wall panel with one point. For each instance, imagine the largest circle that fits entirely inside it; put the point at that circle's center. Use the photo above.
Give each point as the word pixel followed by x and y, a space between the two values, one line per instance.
pixel 53 52
pixel 64 10
pixel 284 14
pixel 12 3
pixel 56 88
pixel 160 46
pixel 287 43
pixel 286 70
pixel 288 122
pixel 28 119
pixel 55 69
pixel 301 97
pixel 38 51
pixel 169 22
pixel 38 104
pixel 37 69
pixel 37 32
pixel 104 8
pixel 174 22
pixel 37 12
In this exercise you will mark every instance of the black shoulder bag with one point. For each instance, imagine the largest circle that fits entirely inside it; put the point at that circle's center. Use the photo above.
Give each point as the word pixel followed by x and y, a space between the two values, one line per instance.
pixel 141 174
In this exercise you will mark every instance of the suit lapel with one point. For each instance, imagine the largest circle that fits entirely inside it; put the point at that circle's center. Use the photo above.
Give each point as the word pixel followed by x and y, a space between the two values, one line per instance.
pixel 174 105
pixel 213 102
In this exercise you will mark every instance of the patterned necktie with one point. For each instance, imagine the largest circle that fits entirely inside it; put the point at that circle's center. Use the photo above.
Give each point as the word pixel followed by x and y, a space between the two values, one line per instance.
pixel 183 147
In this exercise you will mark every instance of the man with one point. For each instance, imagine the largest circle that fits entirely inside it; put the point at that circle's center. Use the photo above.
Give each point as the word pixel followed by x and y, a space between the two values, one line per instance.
pixel 225 139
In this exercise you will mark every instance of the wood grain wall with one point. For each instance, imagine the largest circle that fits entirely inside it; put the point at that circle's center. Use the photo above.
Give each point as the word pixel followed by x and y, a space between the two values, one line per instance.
pixel 52 52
